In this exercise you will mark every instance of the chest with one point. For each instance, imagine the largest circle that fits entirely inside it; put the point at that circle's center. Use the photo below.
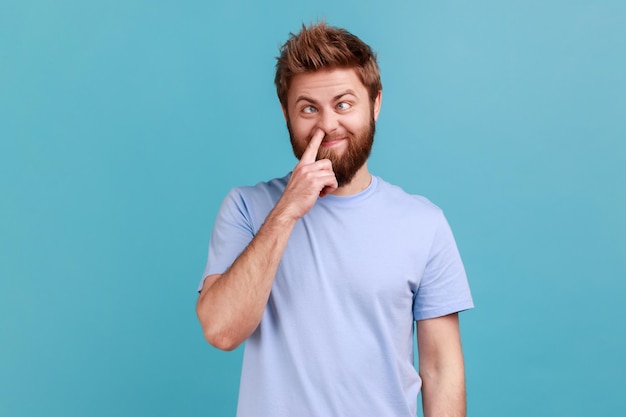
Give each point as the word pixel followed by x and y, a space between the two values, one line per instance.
pixel 356 260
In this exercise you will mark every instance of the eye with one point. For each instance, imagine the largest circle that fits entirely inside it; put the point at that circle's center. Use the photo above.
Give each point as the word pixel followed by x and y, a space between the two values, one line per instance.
pixel 309 109
pixel 344 105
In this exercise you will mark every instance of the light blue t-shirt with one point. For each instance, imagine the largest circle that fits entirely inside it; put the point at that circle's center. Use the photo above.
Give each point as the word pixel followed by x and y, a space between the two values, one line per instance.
pixel 337 335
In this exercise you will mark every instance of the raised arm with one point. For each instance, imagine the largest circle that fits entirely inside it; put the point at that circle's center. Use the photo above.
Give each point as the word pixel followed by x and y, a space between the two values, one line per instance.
pixel 441 367
pixel 231 305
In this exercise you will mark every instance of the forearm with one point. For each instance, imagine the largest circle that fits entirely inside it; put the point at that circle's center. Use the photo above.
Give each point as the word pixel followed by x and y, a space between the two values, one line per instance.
pixel 441 367
pixel 231 307
pixel 443 392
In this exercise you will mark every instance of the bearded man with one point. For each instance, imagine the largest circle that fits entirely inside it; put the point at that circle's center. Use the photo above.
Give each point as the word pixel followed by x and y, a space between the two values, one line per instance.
pixel 329 273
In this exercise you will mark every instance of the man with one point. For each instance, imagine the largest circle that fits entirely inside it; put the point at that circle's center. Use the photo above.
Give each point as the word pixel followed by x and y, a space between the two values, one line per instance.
pixel 323 272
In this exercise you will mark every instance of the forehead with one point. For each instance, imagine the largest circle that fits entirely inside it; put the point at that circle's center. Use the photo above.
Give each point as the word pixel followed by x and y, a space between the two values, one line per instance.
pixel 325 84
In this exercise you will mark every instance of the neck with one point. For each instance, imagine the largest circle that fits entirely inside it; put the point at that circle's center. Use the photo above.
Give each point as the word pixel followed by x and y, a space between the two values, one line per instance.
pixel 362 179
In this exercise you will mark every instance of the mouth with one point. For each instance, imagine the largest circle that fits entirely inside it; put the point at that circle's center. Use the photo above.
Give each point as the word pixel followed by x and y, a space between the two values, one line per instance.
pixel 329 143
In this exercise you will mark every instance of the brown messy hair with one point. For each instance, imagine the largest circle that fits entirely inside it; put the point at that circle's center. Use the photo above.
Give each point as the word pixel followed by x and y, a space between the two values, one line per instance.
pixel 325 47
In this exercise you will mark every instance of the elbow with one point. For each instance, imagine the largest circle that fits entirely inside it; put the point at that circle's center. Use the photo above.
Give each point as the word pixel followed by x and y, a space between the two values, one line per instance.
pixel 222 342
pixel 220 339
pixel 218 329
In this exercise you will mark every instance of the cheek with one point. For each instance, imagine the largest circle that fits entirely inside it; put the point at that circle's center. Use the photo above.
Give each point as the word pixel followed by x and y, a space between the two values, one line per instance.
pixel 303 128
pixel 357 122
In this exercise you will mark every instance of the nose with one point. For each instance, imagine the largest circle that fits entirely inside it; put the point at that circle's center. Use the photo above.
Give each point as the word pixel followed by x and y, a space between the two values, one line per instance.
pixel 328 122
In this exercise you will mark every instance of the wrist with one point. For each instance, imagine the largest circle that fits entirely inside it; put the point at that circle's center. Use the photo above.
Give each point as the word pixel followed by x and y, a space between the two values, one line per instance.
pixel 285 213
pixel 281 216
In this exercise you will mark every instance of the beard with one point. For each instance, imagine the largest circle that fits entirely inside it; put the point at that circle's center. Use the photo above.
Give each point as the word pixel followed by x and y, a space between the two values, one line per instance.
pixel 345 165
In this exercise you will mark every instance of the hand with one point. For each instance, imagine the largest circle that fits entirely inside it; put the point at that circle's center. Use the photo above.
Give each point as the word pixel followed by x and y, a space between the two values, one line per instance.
pixel 309 179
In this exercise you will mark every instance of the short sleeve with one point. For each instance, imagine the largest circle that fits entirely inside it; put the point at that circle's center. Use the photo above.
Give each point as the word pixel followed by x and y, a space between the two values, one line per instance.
pixel 443 288
pixel 232 232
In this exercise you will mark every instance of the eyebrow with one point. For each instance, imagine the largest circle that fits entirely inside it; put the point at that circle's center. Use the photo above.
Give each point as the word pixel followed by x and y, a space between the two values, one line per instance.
pixel 348 92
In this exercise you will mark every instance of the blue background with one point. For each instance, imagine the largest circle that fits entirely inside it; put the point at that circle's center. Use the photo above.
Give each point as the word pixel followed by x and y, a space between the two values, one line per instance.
pixel 124 123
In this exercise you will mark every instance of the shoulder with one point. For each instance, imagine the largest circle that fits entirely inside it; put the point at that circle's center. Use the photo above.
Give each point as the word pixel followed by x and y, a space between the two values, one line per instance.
pixel 261 191
pixel 255 201
pixel 395 196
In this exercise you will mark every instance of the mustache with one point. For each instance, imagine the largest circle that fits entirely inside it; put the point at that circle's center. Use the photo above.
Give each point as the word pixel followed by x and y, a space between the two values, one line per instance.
pixel 331 137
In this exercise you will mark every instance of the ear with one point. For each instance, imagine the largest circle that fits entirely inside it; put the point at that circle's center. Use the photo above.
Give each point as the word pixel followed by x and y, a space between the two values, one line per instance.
pixel 377 103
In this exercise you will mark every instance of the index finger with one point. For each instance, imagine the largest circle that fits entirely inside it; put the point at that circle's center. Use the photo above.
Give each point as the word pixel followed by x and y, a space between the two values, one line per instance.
pixel 310 153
